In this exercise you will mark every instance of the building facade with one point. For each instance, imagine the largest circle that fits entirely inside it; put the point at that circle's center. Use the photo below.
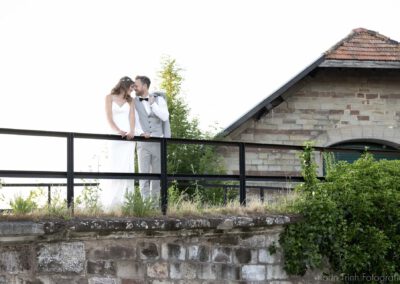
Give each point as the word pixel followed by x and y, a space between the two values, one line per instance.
pixel 349 97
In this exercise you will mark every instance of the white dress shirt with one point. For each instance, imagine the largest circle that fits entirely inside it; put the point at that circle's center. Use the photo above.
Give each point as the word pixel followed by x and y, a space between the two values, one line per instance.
pixel 158 107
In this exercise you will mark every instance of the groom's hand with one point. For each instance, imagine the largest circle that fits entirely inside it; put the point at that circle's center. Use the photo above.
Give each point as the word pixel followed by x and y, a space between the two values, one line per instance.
pixel 145 135
pixel 130 135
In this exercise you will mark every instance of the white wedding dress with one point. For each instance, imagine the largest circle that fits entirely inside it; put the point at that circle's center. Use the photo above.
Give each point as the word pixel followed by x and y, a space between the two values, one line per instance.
pixel 121 156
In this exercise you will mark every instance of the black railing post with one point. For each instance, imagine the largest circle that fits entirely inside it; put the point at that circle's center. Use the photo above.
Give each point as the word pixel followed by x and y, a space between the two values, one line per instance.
pixel 49 194
pixel 242 174
pixel 70 170
pixel 164 177
pixel 225 195
pixel 262 194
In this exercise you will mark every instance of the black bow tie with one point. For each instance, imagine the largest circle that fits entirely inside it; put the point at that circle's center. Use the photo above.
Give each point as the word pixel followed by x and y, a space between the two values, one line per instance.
pixel 144 99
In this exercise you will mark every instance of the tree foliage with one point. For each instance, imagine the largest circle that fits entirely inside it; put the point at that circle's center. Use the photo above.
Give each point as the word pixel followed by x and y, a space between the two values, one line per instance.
pixel 187 158
pixel 352 220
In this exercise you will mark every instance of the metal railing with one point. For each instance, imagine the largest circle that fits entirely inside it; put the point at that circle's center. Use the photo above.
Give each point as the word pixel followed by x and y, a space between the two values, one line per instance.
pixel 48 185
pixel 163 176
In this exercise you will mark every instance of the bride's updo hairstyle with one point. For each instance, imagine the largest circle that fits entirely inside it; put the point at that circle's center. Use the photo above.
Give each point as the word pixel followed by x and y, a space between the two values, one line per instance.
pixel 123 87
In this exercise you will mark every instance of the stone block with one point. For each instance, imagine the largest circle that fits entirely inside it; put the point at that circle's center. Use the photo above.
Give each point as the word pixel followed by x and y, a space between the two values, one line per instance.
pixel 253 272
pixel 389 133
pixel 276 272
pixel 245 256
pixel 257 241
pixel 56 279
pixel 132 281
pixel 110 250
pixel 207 271
pixel 225 239
pixel 130 269
pixel 199 253
pixel 226 271
pixel 103 267
pixel 173 252
pixel 264 256
pixel 102 280
pixel 222 254
pixel 191 281
pixel 15 259
pixel 19 228
pixel 149 251
pixel 157 270
pixel 183 270
pixel 162 282
pixel 61 257
pixel 273 237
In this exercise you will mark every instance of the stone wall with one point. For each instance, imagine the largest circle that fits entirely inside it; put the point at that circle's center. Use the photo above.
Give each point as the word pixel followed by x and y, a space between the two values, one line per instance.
pixel 331 106
pixel 122 251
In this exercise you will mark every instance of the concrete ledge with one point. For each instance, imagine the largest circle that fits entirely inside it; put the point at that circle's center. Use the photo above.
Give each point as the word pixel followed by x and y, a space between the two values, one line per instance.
pixel 21 228
pixel 163 224
pixel 30 230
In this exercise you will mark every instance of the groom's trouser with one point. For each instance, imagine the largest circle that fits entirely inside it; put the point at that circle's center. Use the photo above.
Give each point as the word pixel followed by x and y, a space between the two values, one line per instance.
pixel 149 162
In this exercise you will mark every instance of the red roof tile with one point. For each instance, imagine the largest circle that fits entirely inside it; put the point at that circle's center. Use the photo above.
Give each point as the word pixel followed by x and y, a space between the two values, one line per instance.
pixel 362 44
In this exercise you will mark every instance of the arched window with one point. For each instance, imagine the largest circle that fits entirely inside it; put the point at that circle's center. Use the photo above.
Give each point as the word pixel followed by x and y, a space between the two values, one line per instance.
pixel 372 145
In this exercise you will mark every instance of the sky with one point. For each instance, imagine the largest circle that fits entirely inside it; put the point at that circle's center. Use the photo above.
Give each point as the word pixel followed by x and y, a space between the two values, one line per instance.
pixel 60 58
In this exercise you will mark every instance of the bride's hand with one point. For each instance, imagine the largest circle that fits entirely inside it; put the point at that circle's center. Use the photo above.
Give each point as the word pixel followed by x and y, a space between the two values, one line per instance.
pixel 122 133
pixel 130 135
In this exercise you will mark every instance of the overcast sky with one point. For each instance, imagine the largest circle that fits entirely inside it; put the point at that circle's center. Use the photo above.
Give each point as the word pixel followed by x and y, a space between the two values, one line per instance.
pixel 58 59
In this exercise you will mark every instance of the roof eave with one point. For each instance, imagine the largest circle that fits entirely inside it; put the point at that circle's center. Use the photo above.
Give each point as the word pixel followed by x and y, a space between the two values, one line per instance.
pixel 378 64
pixel 255 110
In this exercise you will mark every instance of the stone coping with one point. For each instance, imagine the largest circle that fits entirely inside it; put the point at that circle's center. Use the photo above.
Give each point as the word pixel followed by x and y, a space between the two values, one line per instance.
pixel 48 227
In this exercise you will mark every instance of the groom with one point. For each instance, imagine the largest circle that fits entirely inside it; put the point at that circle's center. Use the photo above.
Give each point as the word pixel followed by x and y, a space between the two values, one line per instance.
pixel 153 120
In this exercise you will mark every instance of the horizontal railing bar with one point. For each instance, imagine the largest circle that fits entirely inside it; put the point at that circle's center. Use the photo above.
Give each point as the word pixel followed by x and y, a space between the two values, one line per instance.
pixel 183 141
pixel 33 174
pixel 274 178
pixel 202 177
pixel 114 137
pixel 112 175
pixel 236 186
pixel 33 132
pixel 96 184
pixel 156 139
pixel 45 184
pixel 279 178
pixel 235 178
pixel 205 142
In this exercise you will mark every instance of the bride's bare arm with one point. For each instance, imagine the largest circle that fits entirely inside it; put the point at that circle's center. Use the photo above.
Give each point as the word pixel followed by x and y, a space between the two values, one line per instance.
pixel 110 118
pixel 131 133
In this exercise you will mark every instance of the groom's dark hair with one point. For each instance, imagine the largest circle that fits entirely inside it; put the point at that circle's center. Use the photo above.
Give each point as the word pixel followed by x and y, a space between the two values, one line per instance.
pixel 145 80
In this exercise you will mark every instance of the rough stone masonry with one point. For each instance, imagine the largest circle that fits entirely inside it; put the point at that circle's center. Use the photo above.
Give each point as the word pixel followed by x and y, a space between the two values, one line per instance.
pixel 156 251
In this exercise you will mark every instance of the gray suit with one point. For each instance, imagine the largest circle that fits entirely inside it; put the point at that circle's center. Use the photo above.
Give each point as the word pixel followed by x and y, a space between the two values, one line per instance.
pixel 148 152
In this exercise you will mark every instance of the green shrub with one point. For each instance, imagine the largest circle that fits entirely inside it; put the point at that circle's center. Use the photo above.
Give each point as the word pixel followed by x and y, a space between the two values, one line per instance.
pixel 22 206
pixel 352 219
pixel 135 205
pixel 58 207
pixel 90 199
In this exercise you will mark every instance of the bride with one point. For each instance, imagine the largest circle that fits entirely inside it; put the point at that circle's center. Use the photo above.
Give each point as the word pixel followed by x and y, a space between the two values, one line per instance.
pixel 120 111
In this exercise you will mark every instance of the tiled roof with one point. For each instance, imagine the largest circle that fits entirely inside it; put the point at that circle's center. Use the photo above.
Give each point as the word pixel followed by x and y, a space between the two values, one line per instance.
pixel 362 44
